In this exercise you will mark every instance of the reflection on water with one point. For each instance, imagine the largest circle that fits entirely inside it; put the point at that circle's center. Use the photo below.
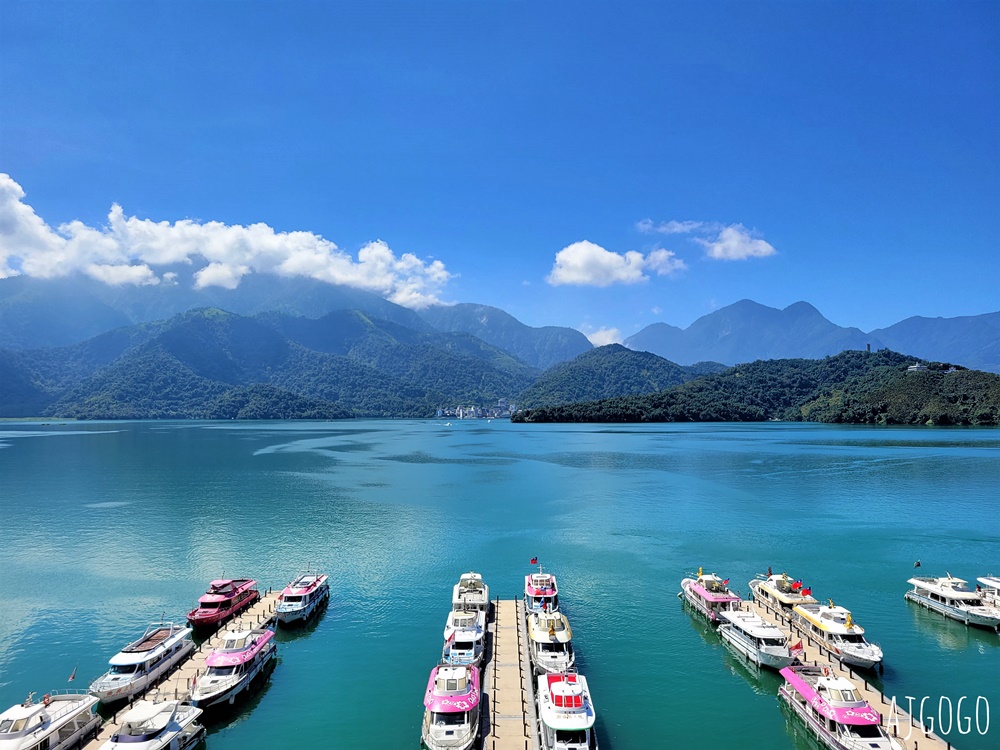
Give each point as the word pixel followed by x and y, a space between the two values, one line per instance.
pixel 952 634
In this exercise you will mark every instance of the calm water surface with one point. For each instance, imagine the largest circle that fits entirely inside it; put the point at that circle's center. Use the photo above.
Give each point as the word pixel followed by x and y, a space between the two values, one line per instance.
pixel 108 526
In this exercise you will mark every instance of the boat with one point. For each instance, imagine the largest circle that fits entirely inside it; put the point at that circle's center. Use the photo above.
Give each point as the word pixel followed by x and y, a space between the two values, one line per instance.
pixel 142 662
pixel 464 620
pixel 61 720
pixel 465 645
pixel 225 597
pixel 833 710
pixel 451 708
pixel 302 598
pixel 541 593
pixel 169 725
pixel 550 642
pixel 758 640
pixel 989 587
pixel 952 598
pixel 835 628
pixel 565 712
pixel 709 594
pixel 244 657
pixel 470 593
pixel 780 591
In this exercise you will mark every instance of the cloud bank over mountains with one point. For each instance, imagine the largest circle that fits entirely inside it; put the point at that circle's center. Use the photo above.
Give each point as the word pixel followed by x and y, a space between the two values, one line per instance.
pixel 128 250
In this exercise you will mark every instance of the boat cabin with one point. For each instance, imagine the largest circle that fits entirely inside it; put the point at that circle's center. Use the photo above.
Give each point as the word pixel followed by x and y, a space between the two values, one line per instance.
pixel 451 708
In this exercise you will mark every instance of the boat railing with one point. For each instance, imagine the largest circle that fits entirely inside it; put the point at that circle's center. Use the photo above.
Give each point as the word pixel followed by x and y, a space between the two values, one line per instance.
pixel 64 710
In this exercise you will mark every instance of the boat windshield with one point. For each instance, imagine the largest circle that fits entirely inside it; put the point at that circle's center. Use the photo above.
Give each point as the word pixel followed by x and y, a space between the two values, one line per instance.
pixel 9 725
pixel 451 720
pixel 852 638
pixel 555 648
pixel 291 599
pixel 222 671
pixel 845 696
pixel 867 731
pixel 772 641
pixel 462 646
pixel 574 736
pixel 124 669
pixel 210 605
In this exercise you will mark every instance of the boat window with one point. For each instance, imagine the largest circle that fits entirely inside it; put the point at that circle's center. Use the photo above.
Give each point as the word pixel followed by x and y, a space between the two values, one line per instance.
pixel 236 643
pixel 864 730
pixel 222 671
pixel 292 598
pixel 450 719
pixel 124 669
pixel 9 725
pixel 852 638
pixel 210 605
pixel 845 696
pixel 574 736
pixel 462 646
pixel 772 641
pixel 556 648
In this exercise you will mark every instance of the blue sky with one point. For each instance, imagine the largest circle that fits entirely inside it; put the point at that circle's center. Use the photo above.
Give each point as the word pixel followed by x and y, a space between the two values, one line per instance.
pixel 511 154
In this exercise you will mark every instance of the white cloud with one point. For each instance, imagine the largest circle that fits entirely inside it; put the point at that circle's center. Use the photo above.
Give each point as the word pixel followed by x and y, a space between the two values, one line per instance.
pixel 647 226
pixel 586 264
pixel 128 249
pixel 735 242
pixel 602 336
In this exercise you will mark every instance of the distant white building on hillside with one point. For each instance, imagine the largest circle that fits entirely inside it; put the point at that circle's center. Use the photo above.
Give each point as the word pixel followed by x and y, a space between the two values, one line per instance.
pixel 917 368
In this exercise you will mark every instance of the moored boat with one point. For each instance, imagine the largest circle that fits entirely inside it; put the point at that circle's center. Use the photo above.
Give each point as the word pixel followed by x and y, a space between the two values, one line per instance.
pixel 550 642
pixel 709 594
pixel 60 721
pixel 780 591
pixel 541 593
pixel 465 646
pixel 225 597
pixel 952 598
pixel 302 598
pixel 758 640
pixel 142 662
pixel 835 627
pixel 451 708
pixel 565 712
pixel 244 657
pixel 833 710
pixel 470 593
pixel 463 620
pixel 170 725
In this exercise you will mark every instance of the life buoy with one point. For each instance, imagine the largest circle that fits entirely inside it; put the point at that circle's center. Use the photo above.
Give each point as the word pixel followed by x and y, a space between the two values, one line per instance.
pixel 46 699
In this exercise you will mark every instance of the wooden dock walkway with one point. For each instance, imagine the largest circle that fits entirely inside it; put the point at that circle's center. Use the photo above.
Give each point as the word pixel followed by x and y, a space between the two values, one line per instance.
pixel 508 689
pixel 177 684
pixel 897 722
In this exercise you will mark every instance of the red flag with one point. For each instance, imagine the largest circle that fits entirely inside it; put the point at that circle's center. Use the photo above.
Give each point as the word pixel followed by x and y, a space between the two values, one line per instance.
pixel 534 561
pixel 72 674
pixel 725 582
pixel 806 592
pixel 797 646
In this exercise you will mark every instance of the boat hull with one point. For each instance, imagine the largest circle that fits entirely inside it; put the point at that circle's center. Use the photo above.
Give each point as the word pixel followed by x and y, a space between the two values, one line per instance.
pixel 955 613
pixel 750 651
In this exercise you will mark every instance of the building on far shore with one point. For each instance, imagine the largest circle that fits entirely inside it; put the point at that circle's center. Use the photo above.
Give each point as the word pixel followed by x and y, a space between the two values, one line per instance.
pixel 917 368
pixel 504 408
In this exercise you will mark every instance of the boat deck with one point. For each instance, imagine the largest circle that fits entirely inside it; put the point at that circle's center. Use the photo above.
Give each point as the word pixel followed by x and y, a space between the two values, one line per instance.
pixel 177 684
pixel 509 720
pixel 908 732
pixel 150 642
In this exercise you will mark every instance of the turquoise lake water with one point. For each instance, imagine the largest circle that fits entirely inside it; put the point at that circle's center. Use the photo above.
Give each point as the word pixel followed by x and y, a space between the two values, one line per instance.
pixel 106 527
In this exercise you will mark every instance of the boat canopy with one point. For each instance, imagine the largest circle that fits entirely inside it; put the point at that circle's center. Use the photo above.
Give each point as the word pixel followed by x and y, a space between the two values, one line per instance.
pixel 818 689
pixel 452 690
pixel 239 648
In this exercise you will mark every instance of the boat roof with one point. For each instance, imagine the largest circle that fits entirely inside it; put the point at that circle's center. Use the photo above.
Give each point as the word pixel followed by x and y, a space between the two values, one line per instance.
pixel 152 643
pixel 226 588
pixel 549 627
pixel 303 584
pixel 540 584
pixel 71 704
pixel 566 701
pixel 991 582
pixel 239 647
pixel 810 682
pixel 751 623
pixel 148 715
pixel 452 689
pixel 832 619
pixel 956 588
pixel 710 588
pixel 777 584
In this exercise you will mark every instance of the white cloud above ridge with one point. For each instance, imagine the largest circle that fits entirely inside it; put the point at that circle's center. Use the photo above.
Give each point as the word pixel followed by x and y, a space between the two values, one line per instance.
pixel 721 242
pixel 602 336
pixel 585 263
pixel 128 248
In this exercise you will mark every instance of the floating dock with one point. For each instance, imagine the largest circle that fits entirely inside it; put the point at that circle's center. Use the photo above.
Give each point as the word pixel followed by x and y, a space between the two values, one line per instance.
pixel 177 684
pixel 508 721
pixel 902 727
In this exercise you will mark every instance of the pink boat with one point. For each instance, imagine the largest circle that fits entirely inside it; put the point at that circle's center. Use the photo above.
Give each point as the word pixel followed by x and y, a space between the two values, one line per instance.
pixel 833 710
pixel 232 668
pixel 451 703
pixel 541 594
pixel 709 595
pixel 224 598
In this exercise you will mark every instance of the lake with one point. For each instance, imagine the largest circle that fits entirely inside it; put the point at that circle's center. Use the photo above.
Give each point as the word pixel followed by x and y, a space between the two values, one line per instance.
pixel 109 526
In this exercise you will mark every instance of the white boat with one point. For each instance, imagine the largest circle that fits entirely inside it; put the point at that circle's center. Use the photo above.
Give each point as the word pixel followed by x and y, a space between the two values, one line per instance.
pixel 465 646
pixel 60 721
pixel 302 598
pixel 758 640
pixel 541 592
pixel 952 598
pixel 780 591
pixel 245 657
pixel 833 710
pixel 170 725
pixel 989 587
pixel 709 595
pixel 835 627
pixel 464 620
pixel 565 712
pixel 470 593
pixel 142 662
pixel 550 642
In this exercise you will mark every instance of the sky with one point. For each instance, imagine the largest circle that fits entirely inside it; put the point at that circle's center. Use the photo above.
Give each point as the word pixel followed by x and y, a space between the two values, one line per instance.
pixel 594 165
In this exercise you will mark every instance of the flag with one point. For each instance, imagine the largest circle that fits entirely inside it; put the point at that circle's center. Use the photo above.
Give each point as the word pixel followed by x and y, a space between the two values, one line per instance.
pixel 797 585
pixel 806 592
pixel 725 582
pixel 534 561
pixel 72 675
pixel 797 647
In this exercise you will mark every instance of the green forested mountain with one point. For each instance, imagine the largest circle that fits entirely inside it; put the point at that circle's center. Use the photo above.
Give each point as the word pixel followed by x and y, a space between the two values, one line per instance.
pixel 208 362
pixel 854 386
pixel 606 372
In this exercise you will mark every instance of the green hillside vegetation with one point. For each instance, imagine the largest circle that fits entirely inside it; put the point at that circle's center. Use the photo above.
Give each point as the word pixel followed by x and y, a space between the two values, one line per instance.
pixel 606 372
pixel 858 387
